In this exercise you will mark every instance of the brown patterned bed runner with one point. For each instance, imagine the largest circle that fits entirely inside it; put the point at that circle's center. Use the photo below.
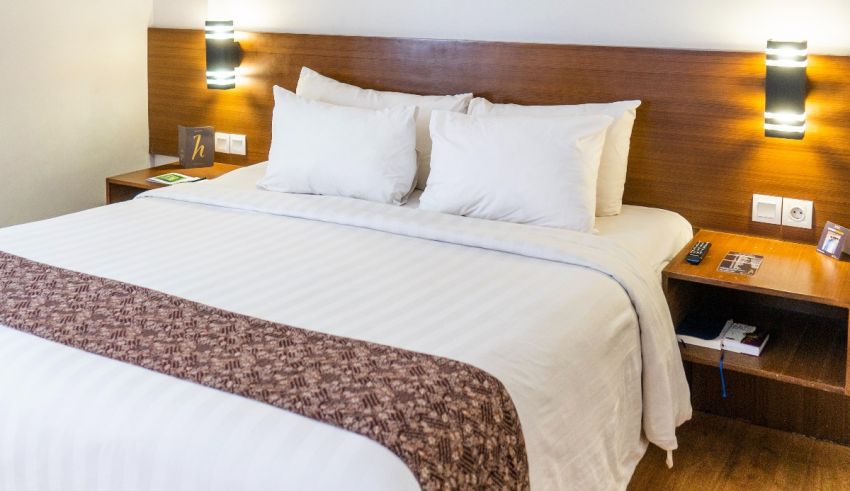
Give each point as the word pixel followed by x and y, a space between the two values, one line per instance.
pixel 454 425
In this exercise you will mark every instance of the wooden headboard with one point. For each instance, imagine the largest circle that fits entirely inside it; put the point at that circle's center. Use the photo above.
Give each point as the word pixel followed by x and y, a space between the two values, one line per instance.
pixel 697 148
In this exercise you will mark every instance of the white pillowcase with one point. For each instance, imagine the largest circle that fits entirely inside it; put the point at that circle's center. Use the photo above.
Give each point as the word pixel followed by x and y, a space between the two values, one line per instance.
pixel 318 87
pixel 533 170
pixel 319 148
pixel 615 153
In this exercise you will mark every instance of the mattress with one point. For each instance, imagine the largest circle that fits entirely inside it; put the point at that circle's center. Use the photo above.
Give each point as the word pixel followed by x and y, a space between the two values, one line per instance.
pixel 563 338
pixel 652 234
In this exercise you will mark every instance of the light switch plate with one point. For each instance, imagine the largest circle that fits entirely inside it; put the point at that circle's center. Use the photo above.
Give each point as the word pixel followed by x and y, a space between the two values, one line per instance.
pixel 797 213
pixel 222 142
pixel 767 209
pixel 238 144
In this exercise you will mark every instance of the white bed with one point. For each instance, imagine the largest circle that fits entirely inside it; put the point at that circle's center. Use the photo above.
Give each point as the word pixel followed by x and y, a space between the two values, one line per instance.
pixel 563 338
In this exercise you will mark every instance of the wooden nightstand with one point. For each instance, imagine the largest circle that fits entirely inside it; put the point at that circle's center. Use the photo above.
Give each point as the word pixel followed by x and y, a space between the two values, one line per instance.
pixel 126 186
pixel 800 295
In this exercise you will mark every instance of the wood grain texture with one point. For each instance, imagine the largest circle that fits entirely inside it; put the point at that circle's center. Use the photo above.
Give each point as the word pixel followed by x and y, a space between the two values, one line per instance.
pixel 803 350
pixel 698 146
pixel 720 454
pixel 801 381
pixel 790 270
pixel 800 294
pixel 772 404
pixel 127 186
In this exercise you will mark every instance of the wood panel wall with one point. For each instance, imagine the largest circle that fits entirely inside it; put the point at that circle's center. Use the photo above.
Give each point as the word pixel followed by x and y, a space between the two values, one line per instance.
pixel 698 146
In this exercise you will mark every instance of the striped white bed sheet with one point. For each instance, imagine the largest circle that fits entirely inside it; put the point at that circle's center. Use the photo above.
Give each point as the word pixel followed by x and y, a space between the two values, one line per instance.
pixel 563 339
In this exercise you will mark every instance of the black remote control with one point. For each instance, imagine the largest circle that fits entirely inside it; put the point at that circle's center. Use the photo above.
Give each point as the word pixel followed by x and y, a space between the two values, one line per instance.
pixel 698 252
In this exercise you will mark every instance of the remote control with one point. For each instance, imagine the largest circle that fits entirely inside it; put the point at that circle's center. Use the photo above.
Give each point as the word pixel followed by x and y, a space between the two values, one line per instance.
pixel 698 252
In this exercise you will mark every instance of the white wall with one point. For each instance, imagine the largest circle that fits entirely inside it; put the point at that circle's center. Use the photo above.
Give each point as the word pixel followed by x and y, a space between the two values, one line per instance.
pixel 699 24
pixel 73 102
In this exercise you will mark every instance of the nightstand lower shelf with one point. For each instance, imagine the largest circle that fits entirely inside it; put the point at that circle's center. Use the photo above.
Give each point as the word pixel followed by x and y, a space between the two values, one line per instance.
pixel 802 350
pixel 807 345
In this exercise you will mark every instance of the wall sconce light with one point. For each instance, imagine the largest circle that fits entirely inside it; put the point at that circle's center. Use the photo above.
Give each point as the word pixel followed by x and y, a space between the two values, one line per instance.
pixel 785 89
pixel 223 54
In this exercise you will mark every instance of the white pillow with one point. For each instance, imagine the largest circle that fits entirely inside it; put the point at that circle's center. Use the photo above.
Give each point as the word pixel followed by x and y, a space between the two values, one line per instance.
pixel 540 171
pixel 318 87
pixel 319 148
pixel 615 153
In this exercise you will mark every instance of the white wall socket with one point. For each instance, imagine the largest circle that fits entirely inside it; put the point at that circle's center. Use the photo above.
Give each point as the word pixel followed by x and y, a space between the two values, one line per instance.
pixel 797 213
pixel 238 144
pixel 222 142
pixel 231 143
pixel 767 209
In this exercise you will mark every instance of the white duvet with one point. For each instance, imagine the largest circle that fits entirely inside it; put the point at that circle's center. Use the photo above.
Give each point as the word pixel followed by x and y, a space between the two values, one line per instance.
pixel 575 326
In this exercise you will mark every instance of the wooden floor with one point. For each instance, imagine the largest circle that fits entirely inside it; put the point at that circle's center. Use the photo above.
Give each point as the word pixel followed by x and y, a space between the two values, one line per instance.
pixel 717 453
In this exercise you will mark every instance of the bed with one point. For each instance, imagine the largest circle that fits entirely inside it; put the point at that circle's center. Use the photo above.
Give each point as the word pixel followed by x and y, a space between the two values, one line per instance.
pixel 559 329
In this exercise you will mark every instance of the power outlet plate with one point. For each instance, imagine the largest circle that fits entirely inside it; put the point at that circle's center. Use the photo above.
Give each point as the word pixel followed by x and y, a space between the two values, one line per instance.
pixel 767 209
pixel 797 213
pixel 222 142
pixel 238 144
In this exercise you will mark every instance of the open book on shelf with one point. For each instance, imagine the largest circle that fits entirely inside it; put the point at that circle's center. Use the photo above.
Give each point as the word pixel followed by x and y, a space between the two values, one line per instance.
pixel 715 333
pixel 741 338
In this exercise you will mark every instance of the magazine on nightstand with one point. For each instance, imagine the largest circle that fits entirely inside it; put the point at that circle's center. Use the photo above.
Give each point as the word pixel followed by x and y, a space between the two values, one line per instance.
pixel 173 178
pixel 740 263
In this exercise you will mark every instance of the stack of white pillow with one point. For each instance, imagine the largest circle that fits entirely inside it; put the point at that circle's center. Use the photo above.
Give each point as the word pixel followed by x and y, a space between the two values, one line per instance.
pixel 555 166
